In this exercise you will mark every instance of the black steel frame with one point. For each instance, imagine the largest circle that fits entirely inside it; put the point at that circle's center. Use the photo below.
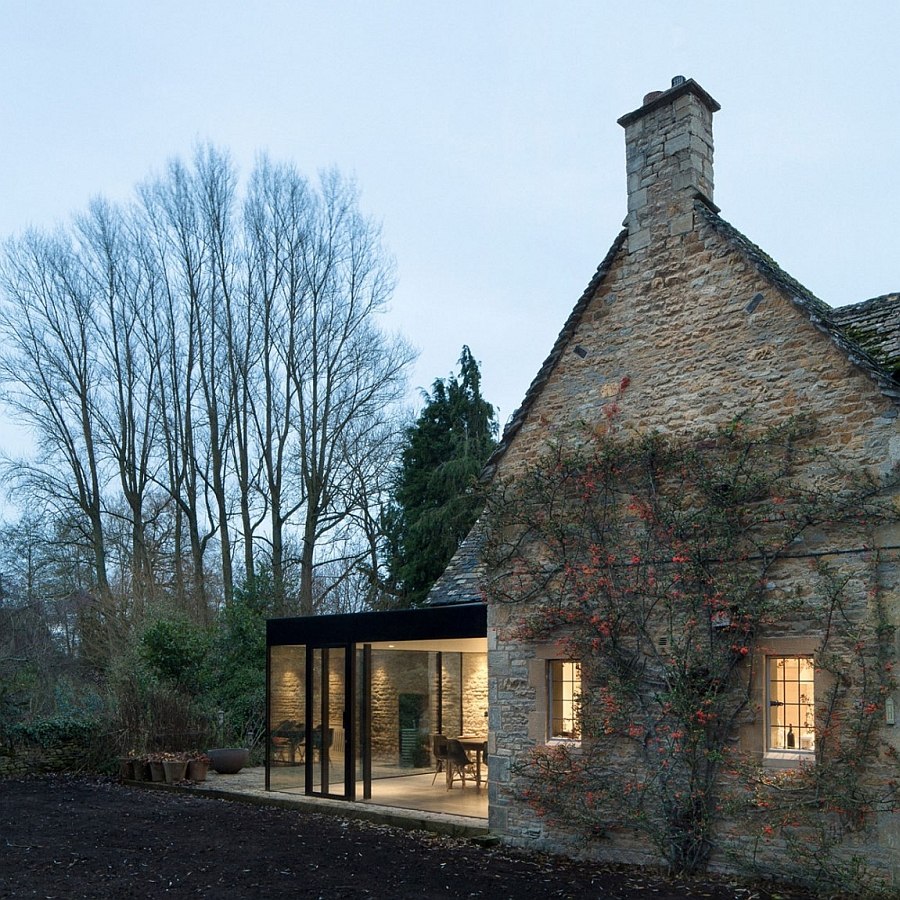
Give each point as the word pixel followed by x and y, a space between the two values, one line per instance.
pixel 350 632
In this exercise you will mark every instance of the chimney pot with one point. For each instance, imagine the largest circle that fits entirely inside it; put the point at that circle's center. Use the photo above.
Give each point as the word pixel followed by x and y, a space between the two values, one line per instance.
pixel 649 98
pixel 678 80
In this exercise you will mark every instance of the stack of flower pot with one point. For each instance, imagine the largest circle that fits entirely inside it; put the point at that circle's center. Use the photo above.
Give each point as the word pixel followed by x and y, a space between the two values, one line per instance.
pixel 169 767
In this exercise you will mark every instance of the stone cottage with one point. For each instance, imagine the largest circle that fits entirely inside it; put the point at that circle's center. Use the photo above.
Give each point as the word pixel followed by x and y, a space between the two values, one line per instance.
pixel 702 327
pixel 685 327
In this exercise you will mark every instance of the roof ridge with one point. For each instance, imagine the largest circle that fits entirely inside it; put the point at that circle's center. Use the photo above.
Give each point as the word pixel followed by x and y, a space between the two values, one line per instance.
pixel 881 300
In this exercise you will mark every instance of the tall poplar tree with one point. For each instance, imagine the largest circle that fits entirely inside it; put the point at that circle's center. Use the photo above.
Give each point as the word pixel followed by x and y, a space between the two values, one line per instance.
pixel 435 499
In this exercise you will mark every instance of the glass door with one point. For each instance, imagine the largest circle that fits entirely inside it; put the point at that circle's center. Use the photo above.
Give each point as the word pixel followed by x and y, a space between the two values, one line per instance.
pixel 330 720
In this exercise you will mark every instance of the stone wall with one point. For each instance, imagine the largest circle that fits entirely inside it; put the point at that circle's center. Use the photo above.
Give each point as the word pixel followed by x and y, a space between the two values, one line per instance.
pixel 475 693
pixel 463 692
pixel 396 673
pixel 287 675
pixel 702 333
pixel 81 749
pixel 674 319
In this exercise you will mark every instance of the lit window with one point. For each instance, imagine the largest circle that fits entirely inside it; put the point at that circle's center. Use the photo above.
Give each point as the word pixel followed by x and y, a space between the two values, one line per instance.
pixel 564 690
pixel 792 712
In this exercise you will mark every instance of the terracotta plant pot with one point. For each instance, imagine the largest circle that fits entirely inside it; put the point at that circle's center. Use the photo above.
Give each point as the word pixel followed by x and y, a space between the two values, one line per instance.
pixel 228 760
pixel 197 769
pixel 141 770
pixel 157 772
pixel 174 769
pixel 126 768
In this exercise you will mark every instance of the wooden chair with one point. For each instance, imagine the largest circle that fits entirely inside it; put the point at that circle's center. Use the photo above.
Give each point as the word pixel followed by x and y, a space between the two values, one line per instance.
pixel 457 762
pixel 317 746
pixel 287 740
pixel 439 749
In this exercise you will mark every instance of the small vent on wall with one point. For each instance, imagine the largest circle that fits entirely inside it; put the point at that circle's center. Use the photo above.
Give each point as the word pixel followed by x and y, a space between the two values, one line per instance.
pixel 757 299
pixel 580 351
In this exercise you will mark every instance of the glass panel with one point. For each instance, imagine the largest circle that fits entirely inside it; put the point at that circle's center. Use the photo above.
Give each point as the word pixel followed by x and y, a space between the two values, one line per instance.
pixel 451 694
pixel 318 697
pixel 463 694
pixel 362 763
pixel 287 714
pixel 327 735
pixel 402 698
pixel 416 694
pixel 402 712
pixel 335 736
pixel 475 704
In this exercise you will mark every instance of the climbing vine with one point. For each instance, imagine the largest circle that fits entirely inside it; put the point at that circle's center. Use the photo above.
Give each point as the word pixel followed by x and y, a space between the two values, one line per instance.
pixel 664 565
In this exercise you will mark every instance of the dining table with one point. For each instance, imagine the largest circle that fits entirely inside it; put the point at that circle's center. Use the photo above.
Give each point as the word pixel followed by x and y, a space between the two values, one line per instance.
pixel 477 743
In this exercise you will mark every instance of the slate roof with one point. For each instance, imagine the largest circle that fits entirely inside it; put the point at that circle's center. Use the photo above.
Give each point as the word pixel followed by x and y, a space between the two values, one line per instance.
pixel 461 580
pixel 874 325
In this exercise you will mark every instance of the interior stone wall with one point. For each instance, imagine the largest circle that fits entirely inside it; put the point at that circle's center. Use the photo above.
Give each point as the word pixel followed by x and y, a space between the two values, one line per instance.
pixel 395 673
pixel 463 679
pixel 475 691
pixel 287 668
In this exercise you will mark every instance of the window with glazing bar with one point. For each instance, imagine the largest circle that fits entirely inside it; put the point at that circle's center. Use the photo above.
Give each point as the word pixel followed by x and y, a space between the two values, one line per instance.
pixel 792 711
pixel 564 691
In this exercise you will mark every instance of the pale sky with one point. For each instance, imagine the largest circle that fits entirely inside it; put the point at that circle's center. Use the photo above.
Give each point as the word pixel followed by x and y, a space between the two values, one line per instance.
pixel 483 135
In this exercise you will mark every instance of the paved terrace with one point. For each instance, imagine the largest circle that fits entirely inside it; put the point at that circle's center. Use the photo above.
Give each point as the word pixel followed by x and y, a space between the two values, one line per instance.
pixel 445 817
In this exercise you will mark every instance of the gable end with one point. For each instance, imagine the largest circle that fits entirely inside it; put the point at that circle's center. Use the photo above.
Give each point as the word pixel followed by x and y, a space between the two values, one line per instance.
pixel 827 320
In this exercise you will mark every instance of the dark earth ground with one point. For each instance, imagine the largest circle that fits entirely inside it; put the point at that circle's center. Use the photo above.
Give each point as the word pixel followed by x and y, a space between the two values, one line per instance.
pixel 73 837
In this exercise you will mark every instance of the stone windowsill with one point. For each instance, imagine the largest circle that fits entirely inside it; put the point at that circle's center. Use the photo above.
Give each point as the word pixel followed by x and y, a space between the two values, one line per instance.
pixel 568 742
pixel 788 759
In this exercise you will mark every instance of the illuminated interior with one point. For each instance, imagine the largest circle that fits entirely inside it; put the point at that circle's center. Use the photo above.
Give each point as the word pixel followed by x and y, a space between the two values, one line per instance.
pixel 564 690
pixel 792 712
pixel 345 720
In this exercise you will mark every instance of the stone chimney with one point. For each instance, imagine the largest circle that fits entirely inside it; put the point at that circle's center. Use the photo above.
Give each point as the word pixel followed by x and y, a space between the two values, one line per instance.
pixel 668 157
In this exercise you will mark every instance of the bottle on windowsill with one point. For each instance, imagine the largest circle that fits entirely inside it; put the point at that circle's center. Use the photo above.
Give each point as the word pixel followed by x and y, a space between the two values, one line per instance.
pixel 791 739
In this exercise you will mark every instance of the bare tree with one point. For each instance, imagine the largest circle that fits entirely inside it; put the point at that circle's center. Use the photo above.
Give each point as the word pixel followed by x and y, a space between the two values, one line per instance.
pixel 275 222
pixel 51 376
pixel 207 382
pixel 345 372
pixel 215 182
pixel 127 386
pixel 184 268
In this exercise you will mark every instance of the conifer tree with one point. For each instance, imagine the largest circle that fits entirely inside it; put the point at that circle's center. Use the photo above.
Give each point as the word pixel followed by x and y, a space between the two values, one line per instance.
pixel 435 499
